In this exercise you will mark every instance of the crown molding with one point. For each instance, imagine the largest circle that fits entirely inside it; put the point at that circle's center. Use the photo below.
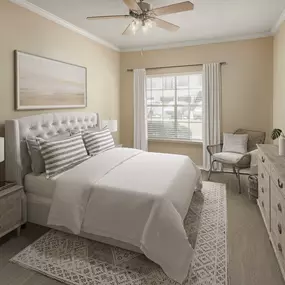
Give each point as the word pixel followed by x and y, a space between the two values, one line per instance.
pixel 198 42
pixel 52 17
pixel 278 23
pixel 57 20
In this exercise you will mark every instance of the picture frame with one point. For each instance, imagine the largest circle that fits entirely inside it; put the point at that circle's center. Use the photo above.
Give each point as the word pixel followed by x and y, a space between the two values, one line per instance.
pixel 45 83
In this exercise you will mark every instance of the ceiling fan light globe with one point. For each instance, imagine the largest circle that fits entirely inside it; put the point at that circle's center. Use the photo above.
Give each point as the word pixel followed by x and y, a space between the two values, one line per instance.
pixel 145 28
pixel 149 23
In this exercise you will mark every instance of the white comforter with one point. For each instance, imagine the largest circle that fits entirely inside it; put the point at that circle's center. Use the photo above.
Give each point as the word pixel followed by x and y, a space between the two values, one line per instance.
pixel 133 196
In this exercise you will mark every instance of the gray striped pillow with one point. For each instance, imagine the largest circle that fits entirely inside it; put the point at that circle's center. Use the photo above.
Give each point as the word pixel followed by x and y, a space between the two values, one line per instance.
pixel 96 142
pixel 62 155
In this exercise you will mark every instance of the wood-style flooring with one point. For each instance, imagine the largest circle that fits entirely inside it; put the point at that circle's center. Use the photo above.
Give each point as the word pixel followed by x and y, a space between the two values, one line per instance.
pixel 251 257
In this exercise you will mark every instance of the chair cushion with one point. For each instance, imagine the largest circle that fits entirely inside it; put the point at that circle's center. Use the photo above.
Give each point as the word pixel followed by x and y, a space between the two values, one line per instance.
pixel 233 158
pixel 235 143
pixel 227 157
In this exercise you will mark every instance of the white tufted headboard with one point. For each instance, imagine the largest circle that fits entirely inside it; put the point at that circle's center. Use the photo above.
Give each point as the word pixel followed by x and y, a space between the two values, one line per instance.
pixel 17 160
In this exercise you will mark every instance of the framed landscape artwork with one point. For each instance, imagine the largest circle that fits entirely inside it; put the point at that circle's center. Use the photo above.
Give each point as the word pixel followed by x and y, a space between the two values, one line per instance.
pixel 43 83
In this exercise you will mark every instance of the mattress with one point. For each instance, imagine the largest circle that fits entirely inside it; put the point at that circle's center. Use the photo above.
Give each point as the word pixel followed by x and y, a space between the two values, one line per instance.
pixel 39 185
pixel 38 210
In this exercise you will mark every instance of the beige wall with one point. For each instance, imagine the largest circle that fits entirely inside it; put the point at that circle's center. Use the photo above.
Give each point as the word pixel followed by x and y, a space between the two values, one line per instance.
pixel 279 79
pixel 26 31
pixel 246 88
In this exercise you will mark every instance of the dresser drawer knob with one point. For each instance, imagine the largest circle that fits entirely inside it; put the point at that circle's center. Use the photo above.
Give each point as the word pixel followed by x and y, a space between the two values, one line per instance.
pixel 280 184
pixel 279 229
pixel 262 175
pixel 262 159
pixel 279 207
pixel 262 189
pixel 262 204
pixel 280 247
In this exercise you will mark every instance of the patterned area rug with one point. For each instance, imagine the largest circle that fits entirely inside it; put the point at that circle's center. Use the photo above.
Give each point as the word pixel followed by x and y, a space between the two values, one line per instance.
pixel 79 261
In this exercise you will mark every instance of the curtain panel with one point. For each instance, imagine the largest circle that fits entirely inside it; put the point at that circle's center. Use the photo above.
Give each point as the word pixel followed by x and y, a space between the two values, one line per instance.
pixel 140 110
pixel 211 108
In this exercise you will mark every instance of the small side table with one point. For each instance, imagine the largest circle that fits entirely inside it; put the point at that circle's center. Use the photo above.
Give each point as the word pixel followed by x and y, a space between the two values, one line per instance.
pixel 11 209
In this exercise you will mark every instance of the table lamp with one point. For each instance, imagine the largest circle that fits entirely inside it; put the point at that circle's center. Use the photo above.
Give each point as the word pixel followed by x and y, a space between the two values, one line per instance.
pixel 2 149
pixel 2 158
pixel 111 124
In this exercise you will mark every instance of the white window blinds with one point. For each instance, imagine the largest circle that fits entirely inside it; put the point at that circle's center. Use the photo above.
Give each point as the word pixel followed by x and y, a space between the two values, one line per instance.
pixel 174 107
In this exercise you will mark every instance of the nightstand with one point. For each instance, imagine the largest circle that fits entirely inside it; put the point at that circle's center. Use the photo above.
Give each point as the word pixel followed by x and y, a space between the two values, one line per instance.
pixel 11 209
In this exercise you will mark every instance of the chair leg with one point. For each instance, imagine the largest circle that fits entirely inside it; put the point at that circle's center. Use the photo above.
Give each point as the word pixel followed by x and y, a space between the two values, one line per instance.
pixel 238 177
pixel 211 169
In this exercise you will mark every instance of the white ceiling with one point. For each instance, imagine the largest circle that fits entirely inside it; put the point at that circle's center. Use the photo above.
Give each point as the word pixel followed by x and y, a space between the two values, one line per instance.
pixel 210 20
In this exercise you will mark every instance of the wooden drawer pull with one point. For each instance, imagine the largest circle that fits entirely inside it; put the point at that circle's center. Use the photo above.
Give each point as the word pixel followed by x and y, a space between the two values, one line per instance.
pixel 262 175
pixel 262 204
pixel 280 247
pixel 279 207
pixel 280 184
pixel 262 189
pixel 279 229
pixel 262 159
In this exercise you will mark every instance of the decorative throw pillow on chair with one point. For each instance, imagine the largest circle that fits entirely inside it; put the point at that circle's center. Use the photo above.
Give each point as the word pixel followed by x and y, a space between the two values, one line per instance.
pixel 235 143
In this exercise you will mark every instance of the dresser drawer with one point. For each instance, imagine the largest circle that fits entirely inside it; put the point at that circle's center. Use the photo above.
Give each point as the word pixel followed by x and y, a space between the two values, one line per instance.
pixel 277 202
pixel 263 176
pixel 278 181
pixel 264 205
pixel 10 211
pixel 264 161
pixel 280 249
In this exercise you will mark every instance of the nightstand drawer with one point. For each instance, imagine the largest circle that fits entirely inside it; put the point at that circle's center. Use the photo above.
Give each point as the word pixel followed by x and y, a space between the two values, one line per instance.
pixel 10 211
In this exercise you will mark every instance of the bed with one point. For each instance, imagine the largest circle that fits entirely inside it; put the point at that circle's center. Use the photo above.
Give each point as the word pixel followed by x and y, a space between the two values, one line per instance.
pixel 124 197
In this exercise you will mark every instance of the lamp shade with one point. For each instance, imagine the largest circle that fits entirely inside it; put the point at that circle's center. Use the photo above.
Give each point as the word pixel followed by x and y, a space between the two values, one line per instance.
pixel 2 149
pixel 111 124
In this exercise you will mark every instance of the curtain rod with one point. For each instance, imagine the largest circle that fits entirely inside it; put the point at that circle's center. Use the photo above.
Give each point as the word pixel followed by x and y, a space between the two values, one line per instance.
pixel 172 66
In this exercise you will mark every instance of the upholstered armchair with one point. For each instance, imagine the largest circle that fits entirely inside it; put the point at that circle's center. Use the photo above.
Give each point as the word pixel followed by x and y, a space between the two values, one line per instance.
pixel 237 161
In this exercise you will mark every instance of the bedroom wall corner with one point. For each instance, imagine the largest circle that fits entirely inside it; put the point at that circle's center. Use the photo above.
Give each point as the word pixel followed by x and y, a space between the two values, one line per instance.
pixel 23 30
pixel 279 82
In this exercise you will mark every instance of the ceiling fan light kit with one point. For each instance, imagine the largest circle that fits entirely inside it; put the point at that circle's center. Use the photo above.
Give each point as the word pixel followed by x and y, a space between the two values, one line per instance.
pixel 144 17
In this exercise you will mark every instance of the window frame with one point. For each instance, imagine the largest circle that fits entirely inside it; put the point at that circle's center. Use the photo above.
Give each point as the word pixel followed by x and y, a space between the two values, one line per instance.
pixel 174 140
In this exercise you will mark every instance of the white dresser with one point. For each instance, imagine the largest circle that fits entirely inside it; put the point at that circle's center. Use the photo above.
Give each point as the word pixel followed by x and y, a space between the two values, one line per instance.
pixel 271 198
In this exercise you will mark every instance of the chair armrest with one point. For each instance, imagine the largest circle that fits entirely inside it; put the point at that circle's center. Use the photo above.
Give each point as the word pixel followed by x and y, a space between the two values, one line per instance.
pixel 214 148
pixel 244 161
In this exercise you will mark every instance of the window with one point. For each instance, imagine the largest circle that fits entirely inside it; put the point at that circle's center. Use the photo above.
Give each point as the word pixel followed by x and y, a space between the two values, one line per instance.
pixel 174 107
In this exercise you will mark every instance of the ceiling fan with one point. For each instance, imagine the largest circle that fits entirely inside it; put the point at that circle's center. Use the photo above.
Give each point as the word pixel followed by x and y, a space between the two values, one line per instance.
pixel 145 17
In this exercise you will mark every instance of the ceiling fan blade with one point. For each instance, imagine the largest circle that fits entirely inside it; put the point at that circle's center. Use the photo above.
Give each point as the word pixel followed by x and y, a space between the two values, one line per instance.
pixel 129 30
pixel 174 8
pixel 133 5
pixel 165 25
pixel 108 17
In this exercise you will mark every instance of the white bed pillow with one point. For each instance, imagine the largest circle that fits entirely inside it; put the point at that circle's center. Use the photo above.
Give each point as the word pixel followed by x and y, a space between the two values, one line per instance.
pixel 235 143
pixel 76 131
pixel 96 142
pixel 62 155
pixel 37 162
